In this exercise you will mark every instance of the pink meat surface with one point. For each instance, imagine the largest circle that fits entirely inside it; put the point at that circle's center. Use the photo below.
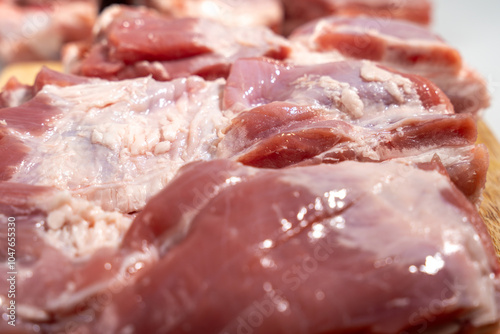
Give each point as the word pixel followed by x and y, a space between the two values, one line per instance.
pixel 36 30
pixel 404 46
pixel 298 12
pixel 139 42
pixel 348 110
pixel 359 88
pixel 247 13
pixel 114 143
pixel 227 248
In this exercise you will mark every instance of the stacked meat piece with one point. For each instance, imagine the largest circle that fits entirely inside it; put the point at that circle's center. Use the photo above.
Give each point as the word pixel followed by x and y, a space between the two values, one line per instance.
pixel 132 43
pixel 336 191
pixel 401 45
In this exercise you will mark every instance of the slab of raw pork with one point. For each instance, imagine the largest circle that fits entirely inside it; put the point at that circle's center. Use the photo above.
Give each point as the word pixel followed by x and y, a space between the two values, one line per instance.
pixel 135 42
pixel 404 46
pixel 36 30
pixel 247 13
pixel 113 143
pixel 298 12
pixel 346 248
pixel 346 110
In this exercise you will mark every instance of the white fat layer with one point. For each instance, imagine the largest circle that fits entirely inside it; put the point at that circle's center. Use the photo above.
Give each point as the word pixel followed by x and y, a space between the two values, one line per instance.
pixel 78 227
pixel 119 143
pixel 342 96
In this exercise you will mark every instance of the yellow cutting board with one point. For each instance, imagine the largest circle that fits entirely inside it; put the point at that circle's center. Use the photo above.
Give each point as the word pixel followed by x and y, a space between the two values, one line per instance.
pixel 26 72
pixel 490 207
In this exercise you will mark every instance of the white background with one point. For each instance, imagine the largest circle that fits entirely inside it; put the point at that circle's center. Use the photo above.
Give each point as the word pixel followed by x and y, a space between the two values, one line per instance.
pixel 473 27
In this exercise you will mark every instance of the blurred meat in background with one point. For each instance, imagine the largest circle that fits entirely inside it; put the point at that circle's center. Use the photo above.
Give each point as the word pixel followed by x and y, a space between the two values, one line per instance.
pixel 37 29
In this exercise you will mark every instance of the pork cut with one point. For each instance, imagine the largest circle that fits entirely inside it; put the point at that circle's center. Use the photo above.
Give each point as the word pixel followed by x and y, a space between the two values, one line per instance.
pixel 36 30
pixel 298 12
pixel 62 244
pixel 352 247
pixel 347 110
pixel 401 45
pixel 139 42
pixel 113 143
pixel 248 13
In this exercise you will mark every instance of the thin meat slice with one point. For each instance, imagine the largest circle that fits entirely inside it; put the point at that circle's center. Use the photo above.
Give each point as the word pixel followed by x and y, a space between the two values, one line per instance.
pixel 137 42
pixel 247 13
pixel 298 12
pixel 300 248
pixel 404 46
pixel 281 134
pixel 114 143
pixel 36 30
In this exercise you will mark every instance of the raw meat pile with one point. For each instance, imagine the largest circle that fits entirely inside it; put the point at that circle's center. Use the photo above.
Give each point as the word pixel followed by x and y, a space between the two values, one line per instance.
pixel 37 29
pixel 195 172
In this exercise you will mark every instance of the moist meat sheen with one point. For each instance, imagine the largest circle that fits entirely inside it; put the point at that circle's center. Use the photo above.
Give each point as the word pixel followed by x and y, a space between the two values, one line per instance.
pixel 346 110
pixel 318 249
pixel 115 143
pixel 201 176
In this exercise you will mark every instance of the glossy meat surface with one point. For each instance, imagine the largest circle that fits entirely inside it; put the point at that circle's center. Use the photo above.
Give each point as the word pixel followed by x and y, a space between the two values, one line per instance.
pixel 404 46
pixel 284 258
pixel 115 143
pixel 347 110
pixel 139 42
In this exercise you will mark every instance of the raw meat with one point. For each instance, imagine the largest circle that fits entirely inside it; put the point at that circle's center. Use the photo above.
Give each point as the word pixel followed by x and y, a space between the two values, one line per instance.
pixel 298 12
pixel 139 42
pixel 404 46
pixel 114 143
pixel 287 240
pixel 368 88
pixel 14 93
pixel 62 246
pixel 36 30
pixel 249 13
pixel 349 110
